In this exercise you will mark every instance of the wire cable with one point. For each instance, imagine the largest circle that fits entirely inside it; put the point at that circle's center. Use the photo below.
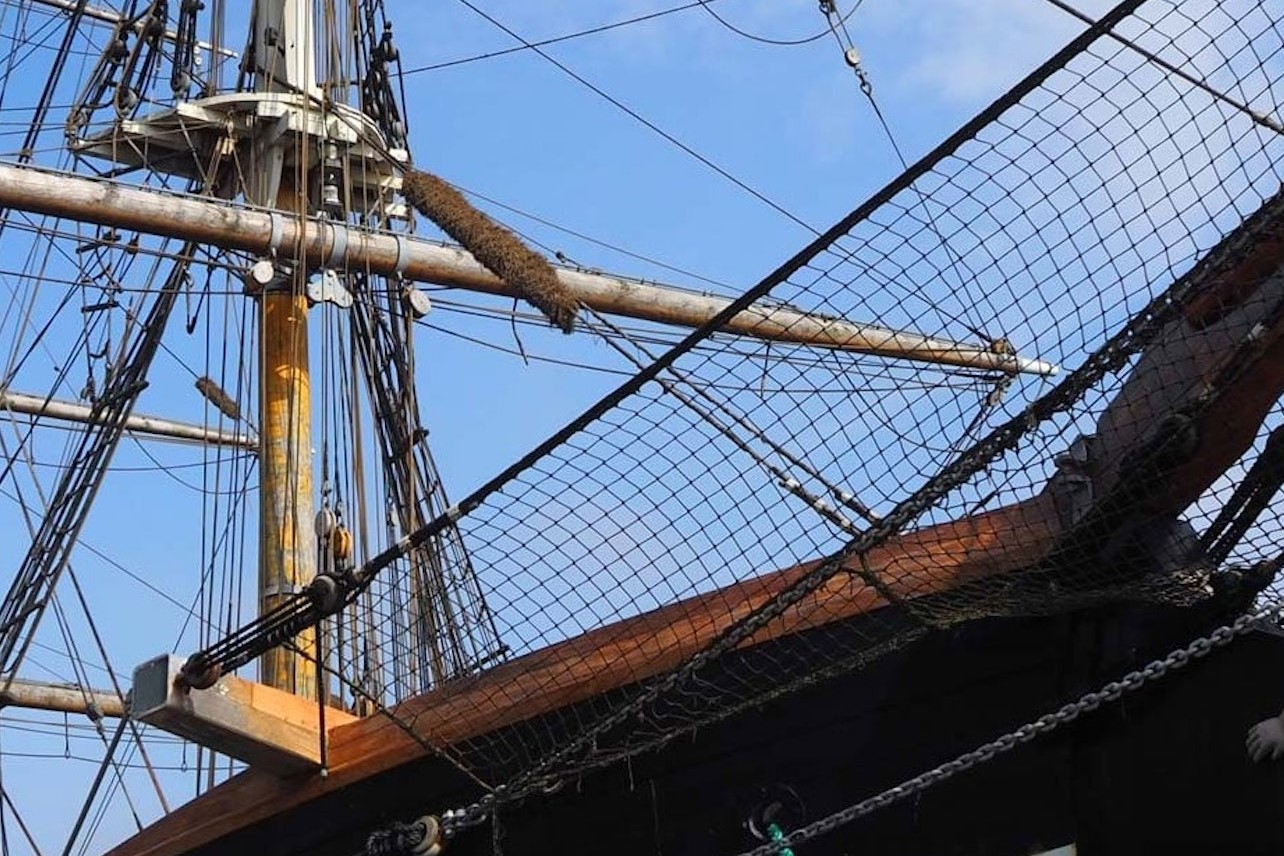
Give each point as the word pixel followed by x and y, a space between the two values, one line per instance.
pixel 1260 118
pixel 769 41
pixel 592 31
pixel 638 117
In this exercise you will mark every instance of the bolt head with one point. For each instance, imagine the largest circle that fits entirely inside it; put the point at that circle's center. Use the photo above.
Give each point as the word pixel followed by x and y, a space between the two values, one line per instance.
pixel 262 272
pixel 417 302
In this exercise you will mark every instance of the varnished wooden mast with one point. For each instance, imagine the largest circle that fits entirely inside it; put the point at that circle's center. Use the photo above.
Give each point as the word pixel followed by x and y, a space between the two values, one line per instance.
pixel 288 546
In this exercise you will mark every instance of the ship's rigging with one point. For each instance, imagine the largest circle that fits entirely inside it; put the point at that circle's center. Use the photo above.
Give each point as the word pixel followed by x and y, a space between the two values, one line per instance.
pixel 817 415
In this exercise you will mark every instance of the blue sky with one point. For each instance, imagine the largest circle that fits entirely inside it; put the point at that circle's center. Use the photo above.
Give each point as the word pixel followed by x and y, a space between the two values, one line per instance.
pixel 789 121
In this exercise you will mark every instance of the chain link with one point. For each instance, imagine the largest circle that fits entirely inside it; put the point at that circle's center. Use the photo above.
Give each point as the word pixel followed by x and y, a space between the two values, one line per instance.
pixel 1045 724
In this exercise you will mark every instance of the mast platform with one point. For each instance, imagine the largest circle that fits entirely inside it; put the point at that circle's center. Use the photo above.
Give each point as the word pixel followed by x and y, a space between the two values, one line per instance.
pixel 270 729
pixel 196 138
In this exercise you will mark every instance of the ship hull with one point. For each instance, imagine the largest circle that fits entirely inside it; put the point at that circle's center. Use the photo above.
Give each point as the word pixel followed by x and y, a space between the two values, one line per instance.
pixel 1163 768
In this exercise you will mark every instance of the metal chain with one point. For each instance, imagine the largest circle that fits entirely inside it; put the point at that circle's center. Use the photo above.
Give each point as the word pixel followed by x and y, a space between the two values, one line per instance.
pixel 1045 724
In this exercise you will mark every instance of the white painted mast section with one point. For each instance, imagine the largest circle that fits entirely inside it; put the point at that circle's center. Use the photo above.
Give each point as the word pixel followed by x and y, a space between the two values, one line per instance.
pixel 285 57
pixel 337 245
pixel 70 411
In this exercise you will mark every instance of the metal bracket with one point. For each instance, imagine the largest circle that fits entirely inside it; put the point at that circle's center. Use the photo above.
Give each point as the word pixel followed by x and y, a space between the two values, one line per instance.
pixel 275 232
pixel 281 589
pixel 1071 485
pixel 266 276
pixel 417 303
pixel 325 286
pixel 338 246
pixel 403 257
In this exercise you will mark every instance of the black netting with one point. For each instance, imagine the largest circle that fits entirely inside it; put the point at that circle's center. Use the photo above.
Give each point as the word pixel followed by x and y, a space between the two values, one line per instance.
pixel 1115 216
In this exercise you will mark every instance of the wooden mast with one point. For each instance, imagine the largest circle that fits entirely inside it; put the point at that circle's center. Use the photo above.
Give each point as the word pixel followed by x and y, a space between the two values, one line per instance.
pixel 287 547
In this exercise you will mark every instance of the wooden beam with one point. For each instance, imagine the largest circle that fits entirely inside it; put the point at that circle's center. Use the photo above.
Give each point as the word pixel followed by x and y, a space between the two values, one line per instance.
pixel 1184 363
pixel 324 242
pixel 70 411
pixel 271 730
pixel 61 698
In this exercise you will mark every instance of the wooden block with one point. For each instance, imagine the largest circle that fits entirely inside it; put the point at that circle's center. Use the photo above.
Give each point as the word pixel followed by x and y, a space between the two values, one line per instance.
pixel 267 728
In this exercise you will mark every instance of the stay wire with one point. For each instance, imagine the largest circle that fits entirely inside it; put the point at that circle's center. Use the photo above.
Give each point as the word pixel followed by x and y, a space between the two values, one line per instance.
pixel 624 251
pixel 736 418
pixel 26 832
pixel 638 117
pixel 1262 119
pixel 776 42
pixel 73 653
pixel 848 254
pixel 829 8
pixel 592 31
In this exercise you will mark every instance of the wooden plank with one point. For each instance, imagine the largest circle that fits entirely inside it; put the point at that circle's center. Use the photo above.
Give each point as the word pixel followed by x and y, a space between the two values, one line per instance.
pixel 269 729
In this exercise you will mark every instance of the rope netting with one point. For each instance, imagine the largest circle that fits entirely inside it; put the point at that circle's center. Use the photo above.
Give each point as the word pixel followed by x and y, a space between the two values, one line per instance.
pixel 743 518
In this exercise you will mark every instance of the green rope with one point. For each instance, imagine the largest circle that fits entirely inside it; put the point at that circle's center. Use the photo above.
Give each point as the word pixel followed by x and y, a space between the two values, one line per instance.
pixel 777 835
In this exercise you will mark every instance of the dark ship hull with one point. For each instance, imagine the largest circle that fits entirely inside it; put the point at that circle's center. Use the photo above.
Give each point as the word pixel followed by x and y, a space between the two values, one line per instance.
pixel 1161 770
